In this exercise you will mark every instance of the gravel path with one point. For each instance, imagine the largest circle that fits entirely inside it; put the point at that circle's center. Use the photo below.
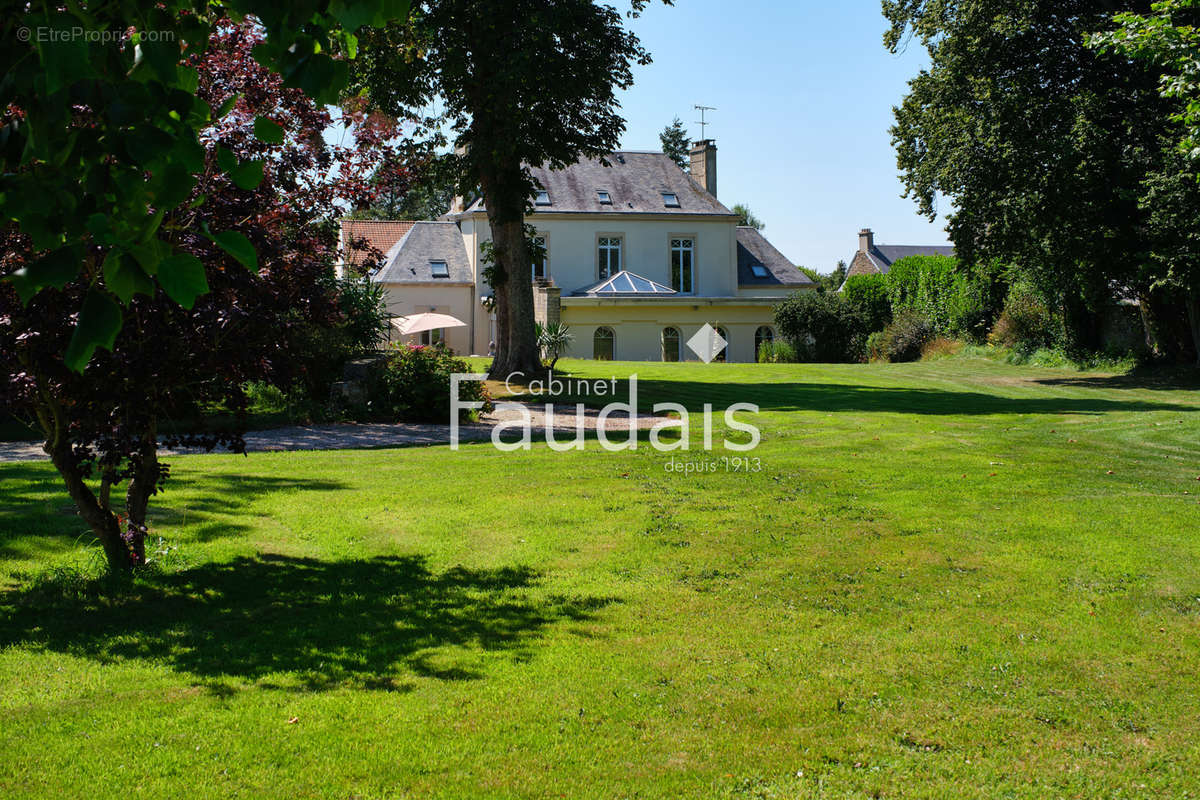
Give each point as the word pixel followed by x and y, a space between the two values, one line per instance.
pixel 350 436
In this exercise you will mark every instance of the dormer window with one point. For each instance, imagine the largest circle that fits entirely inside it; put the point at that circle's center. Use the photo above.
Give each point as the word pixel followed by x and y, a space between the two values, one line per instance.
pixel 542 198
pixel 670 199
pixel 439 269
pixel 759 270
pixel 604 197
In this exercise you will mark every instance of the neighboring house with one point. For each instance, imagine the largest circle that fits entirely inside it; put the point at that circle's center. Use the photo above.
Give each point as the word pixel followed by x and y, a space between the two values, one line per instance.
pixel 639 256
pixel 874 258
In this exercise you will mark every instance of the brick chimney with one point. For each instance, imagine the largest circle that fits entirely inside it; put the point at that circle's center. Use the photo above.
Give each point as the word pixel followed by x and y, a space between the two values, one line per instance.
pixel 704 164
pixel 866 240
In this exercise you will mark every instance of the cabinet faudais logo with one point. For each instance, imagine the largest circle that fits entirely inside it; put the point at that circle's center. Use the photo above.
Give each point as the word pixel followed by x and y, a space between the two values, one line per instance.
pixel 707 344
pixel 517 419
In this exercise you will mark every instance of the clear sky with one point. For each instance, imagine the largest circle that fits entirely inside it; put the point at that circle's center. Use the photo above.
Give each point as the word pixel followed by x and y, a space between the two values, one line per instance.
pixel 804 93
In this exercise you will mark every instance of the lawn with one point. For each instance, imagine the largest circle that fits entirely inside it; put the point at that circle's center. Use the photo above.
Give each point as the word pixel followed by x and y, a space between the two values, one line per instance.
pixel 949 579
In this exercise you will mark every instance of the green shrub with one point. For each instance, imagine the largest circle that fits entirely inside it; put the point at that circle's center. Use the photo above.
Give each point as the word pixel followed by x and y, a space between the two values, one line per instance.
pixel 822 326
pixel 958 301
pixel 868 295
pixel 903 340
pixel 778 352
pixel 414 385
pixel 1028 323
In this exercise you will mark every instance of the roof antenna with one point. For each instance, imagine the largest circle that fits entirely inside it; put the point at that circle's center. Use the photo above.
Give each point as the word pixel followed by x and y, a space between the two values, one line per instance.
pixel 702 123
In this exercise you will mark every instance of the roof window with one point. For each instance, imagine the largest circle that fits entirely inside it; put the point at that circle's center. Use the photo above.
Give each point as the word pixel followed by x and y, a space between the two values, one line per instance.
pixel 604 197
pixel 439 269
pixel 759 270
pixel 670 199
pixel 542 198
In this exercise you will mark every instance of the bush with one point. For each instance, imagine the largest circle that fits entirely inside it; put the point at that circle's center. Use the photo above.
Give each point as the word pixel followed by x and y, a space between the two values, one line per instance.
pixel 868 295
pixel 414 385
pixel 822 326
pixel 1027 323
pixel 779 352
pixel 959 302
pixel 903 340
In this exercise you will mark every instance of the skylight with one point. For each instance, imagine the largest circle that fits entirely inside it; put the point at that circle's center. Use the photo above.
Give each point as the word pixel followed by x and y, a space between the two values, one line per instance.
pixel 759 270
pixel 542 198
pixel 670 199
pixel 604 197
pixel 439 269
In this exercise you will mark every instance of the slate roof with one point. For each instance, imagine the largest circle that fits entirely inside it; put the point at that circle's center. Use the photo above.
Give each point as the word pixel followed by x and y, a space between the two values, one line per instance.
pixel 884 255
pixel 380 234
pixel 635 181
pixel 753 248
pixel 408 259
pixel 625 284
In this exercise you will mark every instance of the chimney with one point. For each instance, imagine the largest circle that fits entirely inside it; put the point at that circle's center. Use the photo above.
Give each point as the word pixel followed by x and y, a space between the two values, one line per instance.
pixel 866 240
pixel 459 203
pixel 704 164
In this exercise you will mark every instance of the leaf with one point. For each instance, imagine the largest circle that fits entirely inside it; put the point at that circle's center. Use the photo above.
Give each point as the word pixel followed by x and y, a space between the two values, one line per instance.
pixel 226 107
pixel 64 56
pixel 182 277
pixel 226 160
pixel 248 175
pixel 268 131
pixel 123 277
pixel 56 269
pixel 98 326
pixel 238 246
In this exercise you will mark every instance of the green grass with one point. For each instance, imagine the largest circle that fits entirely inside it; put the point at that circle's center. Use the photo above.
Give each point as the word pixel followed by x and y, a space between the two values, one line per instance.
pixel 957 578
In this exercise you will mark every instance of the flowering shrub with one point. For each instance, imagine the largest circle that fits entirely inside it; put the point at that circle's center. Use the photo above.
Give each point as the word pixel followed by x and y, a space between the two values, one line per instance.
pixel 414 385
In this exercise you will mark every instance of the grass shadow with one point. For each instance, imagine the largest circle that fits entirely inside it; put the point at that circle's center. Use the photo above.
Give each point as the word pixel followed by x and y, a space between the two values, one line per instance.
pixel 298 622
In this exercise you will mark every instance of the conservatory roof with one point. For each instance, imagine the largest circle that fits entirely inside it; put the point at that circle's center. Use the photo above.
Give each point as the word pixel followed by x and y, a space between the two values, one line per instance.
pixel 625 283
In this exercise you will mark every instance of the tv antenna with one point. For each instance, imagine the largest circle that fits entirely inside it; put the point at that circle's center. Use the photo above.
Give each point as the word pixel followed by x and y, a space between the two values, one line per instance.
pixel 702 123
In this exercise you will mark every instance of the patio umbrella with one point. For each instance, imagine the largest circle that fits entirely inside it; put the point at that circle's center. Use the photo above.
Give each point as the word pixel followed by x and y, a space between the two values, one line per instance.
pixel 428 321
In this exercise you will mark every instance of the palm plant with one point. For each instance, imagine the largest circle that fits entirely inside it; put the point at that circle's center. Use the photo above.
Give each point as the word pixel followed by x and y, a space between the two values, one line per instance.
pixel 553 339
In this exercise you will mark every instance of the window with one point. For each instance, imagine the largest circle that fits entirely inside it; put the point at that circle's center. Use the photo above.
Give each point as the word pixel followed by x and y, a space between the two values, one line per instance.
pixel 683 254
pixel 724 335
pixel 604 197
pixel 759 270
pixel 542 198
pixel 670 344
pixel 541 267
pixel 602 344
pixel 763 335
pixel 670 199
pixel 433 337
pixel 610 256
pixel 439 269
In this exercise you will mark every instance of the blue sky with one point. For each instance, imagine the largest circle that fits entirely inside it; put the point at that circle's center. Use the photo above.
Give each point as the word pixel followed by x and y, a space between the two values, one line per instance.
pixel 804 94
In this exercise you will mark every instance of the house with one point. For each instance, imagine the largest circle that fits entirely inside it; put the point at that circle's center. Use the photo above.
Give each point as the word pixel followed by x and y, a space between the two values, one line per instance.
pixel 872 259
pixel 639 256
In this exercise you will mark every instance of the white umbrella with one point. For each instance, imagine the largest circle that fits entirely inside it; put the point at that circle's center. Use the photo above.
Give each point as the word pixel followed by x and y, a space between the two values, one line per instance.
pixel 428 321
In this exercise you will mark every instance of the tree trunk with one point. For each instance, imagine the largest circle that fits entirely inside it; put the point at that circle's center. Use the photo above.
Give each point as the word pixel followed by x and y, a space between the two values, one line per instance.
pixel 1192 301
pixel 516 346
pixel 143 484
pixel 103 523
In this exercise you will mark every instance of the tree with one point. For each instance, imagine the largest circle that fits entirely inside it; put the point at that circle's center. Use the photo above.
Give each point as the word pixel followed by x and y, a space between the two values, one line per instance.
pixel 99 139
pixel 1168 38
pixel 827 283
pixel 522 82
pixel 1040 142
pixel 675 144
pixel 411 186
pixel 746 217
pixel 268 307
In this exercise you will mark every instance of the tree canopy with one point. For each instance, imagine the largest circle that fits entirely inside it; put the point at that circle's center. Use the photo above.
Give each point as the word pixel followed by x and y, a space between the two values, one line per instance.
pixel 675 144
pixel 100 136
pixel 746 217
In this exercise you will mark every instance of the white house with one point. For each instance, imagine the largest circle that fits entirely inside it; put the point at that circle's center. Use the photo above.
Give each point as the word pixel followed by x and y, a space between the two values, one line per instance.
pixel 639 256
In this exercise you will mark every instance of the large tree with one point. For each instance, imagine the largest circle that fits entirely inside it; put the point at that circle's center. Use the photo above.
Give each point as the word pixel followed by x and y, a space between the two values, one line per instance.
pixel 1040 142
pixel 269 301
pixel 100 118
pixel 522 83
pixel 675 144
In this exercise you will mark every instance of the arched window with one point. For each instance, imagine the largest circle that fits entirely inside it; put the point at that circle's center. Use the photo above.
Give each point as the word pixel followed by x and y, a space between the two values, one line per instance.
pixel 763 335
pixel 670 344
pixel 724 334
pixel 603 343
